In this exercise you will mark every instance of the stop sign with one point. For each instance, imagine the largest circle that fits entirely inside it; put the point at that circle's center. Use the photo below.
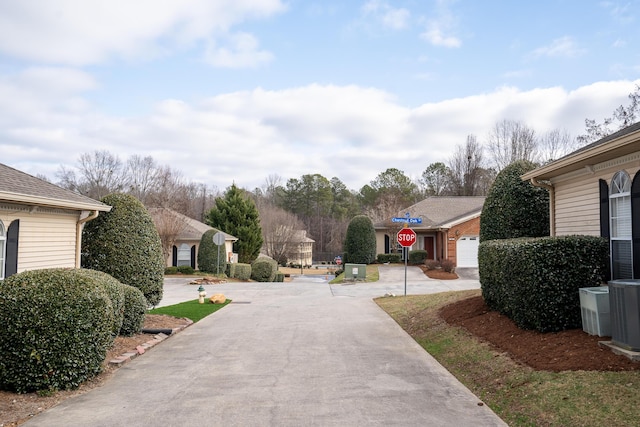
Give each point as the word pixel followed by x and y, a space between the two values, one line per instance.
pixel 406 237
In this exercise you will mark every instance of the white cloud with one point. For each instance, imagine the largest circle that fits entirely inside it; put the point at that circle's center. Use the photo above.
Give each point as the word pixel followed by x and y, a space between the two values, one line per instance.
pixel 349 132
pixel 387 15
pixel 439 30
pixel 564 47
pixel 436 37
pixel 81 32
pixel 242 52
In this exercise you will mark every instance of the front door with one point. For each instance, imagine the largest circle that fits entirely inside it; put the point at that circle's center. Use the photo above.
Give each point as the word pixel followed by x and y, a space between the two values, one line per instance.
pixel 430 247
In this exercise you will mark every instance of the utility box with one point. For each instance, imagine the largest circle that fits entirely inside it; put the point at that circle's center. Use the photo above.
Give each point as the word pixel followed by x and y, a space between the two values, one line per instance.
pixel 625 313
pixel 596 314
pixel 355 271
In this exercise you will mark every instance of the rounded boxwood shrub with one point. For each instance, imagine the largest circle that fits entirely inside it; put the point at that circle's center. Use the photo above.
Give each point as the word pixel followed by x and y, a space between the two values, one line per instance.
pixel 514 208
pixel 135 308
pixel 125 244
pixel 208 254
pixel 56 329
pixel 264 269
pixel 360 241
pixel 115 290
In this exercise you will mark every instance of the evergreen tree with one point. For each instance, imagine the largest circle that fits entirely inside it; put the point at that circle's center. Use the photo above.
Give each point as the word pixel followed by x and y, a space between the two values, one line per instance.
pixel 360 241
pixel 514 208
pixel 236 214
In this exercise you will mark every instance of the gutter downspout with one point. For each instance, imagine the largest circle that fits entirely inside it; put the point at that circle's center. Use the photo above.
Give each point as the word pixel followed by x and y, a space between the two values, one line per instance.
pixel 79 225
pixel 552 204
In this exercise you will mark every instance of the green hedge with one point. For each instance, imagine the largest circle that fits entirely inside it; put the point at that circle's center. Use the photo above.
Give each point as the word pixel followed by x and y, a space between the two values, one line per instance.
pixel 116 292
pixel 56 328
pixel 264 270
pixel 279 277
pixel 135 308
pixel 417 257
pixel 535 281
pixel 211 257
pixel 390 258
pixel 239 270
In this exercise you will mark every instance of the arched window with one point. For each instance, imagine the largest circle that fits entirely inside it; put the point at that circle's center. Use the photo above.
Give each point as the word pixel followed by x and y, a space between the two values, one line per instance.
pixel 620 226
pixel 3 250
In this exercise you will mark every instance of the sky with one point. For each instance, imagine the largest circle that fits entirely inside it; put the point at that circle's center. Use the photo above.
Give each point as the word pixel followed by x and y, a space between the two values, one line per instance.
pixel 236 91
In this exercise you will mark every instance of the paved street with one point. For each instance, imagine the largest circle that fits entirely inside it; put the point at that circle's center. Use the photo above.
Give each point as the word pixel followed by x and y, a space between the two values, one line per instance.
pixel 300 353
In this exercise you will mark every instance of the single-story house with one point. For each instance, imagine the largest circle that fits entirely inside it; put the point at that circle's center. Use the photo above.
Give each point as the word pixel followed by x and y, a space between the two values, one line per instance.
pixel 448 229
pixel 185 234
pixel 40 223
pixel 596 191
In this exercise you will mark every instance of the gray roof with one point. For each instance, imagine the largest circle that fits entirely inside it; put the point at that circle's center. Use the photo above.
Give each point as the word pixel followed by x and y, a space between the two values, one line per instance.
pixel 20 187
pixel 193 229
pixel 441 212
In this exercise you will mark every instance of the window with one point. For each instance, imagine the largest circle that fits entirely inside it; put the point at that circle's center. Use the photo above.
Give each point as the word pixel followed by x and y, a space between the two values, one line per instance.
pixel 184 255
pixel 3 250
pixel 620 226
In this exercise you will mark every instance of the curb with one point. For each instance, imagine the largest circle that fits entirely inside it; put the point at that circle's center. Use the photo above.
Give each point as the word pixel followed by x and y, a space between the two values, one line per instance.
pixel 141 349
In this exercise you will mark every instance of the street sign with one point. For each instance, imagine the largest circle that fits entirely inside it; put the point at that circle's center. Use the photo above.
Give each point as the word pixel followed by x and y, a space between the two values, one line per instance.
pixel 406 237
pixel 406 219
pixel 338 260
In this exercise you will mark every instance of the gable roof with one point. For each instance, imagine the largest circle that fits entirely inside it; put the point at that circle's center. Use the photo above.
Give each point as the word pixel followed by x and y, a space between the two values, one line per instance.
pixel 193 229
pixel 22 188
pixel 442 212
pixel 618 144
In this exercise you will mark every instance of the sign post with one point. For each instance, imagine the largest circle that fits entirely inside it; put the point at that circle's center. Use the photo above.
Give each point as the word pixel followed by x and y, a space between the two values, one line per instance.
pixel 218 239
pixel 406 238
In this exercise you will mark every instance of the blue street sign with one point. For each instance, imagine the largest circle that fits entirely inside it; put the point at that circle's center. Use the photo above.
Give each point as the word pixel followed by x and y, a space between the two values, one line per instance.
pixel 407 219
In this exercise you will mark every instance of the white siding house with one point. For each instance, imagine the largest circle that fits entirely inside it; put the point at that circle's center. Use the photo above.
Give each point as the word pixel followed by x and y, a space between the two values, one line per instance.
pixel 596 191
pixel 40 223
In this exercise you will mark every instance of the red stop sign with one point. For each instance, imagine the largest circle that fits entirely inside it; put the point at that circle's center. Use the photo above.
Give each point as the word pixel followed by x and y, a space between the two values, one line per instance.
pixel 406 237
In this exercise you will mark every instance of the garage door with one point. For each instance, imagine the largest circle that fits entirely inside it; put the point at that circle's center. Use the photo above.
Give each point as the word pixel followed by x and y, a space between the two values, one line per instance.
pixel 467 251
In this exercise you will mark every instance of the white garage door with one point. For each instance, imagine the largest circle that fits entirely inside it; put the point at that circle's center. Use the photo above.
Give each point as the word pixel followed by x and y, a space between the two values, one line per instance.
pixel 467 251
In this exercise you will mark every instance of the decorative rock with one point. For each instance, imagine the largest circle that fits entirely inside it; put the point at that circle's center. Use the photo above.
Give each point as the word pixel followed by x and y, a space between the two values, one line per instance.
pixel 218 299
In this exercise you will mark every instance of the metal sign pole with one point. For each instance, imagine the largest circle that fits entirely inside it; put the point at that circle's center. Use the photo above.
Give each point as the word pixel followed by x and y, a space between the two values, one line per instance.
pixel 405 250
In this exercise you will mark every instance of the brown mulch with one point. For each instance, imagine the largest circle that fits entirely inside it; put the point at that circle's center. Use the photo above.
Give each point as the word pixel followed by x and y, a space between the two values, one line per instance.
pixel 571 350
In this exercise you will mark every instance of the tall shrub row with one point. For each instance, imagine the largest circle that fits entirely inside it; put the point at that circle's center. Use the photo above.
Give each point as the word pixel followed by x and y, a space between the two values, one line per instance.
pixel 536 281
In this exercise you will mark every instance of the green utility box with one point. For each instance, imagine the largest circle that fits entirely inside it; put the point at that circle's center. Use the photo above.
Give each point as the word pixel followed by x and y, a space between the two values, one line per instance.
pixel 355 271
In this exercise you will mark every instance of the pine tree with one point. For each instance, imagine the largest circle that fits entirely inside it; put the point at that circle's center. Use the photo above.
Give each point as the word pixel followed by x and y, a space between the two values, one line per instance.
pixel 237 215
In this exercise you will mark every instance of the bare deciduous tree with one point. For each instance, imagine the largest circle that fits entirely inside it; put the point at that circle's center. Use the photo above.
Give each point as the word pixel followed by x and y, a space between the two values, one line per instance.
pixel 280 230
pixel 511 140
pixel 169 225
pixel 99 173
pixel 555 144
pixel 468 174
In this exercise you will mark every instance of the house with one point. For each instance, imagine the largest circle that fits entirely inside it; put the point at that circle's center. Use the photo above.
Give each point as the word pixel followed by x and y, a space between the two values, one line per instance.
pixel 289 245
pixel 183 234
pixel 449 228
pixel 40 223
pixel 596 191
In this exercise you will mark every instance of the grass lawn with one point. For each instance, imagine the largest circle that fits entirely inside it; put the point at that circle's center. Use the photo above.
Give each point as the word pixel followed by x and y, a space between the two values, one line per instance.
pixel 190 309
pixel 373 275
pixel 520 395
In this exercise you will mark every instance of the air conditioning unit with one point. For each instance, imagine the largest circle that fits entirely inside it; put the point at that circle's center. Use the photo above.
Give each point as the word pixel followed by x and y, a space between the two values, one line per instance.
pixel 594 306
pixel 624 298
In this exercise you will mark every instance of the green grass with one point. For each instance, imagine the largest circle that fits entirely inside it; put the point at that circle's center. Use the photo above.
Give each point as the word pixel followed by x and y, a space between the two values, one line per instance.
pixel 520 395
pixel 190 309
pixel 373 275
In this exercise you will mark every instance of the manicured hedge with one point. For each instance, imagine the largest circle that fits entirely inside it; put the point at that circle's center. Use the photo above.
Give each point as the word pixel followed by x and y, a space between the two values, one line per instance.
pixel 135 308
pixel 125 244
pixel 390 258
pixel 360 241
pixel 239 270
pixel 211 257
pixel 115 290
pixel 57 325
pixel 417 257
pixel 264 270
pixel 536 281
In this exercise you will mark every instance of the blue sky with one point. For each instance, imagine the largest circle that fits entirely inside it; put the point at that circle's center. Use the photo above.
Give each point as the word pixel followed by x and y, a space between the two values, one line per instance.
pixel 235 91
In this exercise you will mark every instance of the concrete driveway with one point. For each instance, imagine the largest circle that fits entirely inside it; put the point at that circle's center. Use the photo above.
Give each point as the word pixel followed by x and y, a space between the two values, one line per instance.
pixel 283 354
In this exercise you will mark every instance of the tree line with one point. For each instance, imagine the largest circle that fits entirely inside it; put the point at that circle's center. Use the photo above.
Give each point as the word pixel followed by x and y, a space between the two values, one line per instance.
pixel 324 206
